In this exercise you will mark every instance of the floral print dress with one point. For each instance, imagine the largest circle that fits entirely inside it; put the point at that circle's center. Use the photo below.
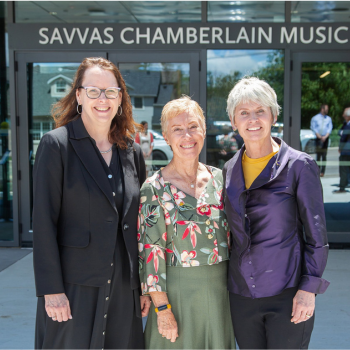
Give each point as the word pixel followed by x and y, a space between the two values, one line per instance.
pixel 179 230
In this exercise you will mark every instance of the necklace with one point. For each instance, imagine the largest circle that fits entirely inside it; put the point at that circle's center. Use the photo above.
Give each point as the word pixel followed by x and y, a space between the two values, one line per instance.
pixel 104 152
pixel 189 183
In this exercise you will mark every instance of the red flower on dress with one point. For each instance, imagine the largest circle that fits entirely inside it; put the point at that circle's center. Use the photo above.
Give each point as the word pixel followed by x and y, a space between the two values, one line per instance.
pixel 204 210
pixel 191 228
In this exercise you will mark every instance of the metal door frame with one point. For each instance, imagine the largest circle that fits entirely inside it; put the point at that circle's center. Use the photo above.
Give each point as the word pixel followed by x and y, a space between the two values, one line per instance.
pixel 24 233
pixel 22 58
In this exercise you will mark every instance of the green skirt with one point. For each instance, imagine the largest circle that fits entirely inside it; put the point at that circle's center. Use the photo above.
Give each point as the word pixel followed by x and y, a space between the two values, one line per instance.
pixel 200 303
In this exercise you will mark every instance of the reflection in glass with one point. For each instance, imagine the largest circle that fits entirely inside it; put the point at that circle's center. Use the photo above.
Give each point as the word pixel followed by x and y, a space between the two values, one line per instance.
pixel 246 11
pixel 320 11
pixel 47 84
pixel 225 68
pixel 151 86
pixel 107 11
pixel 331 89
pixel 6 190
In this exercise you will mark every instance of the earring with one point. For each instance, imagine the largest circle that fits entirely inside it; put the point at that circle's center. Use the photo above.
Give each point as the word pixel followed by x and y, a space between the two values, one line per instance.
pixel 78 108
pixel 121 110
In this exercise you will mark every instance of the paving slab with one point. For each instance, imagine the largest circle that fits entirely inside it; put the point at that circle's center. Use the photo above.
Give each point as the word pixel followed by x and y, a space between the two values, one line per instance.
pixel 9 256
pixel 18 305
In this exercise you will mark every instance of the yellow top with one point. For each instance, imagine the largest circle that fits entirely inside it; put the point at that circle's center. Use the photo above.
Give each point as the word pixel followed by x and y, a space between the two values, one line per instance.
pixel 253 167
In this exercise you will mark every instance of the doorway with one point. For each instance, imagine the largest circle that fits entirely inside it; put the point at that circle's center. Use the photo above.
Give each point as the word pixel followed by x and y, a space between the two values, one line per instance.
pixel 318 79
pixel 43 78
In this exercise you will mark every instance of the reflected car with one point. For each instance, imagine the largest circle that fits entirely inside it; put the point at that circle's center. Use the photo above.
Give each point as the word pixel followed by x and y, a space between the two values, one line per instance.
pixel 162 153
pixel 307 138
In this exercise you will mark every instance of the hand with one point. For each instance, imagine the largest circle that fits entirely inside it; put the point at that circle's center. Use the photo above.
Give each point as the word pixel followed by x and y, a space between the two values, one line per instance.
pixel 57 307
pixel 303 304
pixel 167 325
pixel 145 305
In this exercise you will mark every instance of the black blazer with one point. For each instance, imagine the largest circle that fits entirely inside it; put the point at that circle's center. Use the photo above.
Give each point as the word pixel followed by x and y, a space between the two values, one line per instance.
pixel 74 214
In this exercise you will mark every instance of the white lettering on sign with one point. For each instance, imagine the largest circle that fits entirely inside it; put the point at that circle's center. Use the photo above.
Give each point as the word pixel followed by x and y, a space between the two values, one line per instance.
pixel 336 38
pixel 122 33
pixel 216 33
pixel 262 33
pixel 321 35
pixel 203 37
pixel 109 36
pixel 284 35
pixel 191 35
pixel 139 36
pixel 162 35
pixel 311 37
pixel 158 35
pixel 41 33
pixel 70 37
pixel 179 35
pixel 228 41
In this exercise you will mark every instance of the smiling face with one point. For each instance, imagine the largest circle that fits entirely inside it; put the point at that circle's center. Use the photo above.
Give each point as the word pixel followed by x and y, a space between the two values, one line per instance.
pixel 101 110
pixel 185 136
pixel 253 121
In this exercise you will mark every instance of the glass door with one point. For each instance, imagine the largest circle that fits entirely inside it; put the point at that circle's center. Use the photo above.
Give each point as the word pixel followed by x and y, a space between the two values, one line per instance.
pixel 321 88
pixel 42 80
pixel 152 80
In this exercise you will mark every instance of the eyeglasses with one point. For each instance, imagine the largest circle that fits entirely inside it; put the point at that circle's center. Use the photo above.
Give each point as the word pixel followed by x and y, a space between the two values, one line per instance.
pixel 95 92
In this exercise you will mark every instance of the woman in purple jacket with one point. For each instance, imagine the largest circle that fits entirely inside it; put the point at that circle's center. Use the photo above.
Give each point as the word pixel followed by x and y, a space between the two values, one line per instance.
pixel 274 204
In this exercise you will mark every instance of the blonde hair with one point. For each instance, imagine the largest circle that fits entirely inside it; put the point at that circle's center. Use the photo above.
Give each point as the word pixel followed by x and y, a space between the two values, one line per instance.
pixel 251 89
pixel 181 105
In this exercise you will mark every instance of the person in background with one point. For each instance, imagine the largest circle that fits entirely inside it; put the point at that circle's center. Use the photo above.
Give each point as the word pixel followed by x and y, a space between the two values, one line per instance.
pixel 344 150
pixel 274 206
pixel 321 125
pixel 183 241
pixel 87 176
pixel 145 139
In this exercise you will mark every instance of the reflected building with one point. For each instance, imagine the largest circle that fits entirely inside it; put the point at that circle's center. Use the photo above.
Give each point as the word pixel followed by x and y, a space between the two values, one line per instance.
pixel 165 49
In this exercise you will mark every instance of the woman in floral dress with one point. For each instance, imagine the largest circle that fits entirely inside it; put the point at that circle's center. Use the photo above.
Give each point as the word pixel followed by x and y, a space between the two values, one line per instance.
pixel 184 241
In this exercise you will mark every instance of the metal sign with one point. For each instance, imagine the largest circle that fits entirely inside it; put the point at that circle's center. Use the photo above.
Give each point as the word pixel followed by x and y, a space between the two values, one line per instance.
pixel 179 36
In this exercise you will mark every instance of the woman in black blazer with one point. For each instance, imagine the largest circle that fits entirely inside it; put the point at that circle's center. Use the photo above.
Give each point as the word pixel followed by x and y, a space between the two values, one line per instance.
pixel 87 177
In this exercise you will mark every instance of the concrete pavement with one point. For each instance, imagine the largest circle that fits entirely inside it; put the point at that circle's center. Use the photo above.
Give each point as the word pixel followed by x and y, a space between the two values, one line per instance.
pixel 18 305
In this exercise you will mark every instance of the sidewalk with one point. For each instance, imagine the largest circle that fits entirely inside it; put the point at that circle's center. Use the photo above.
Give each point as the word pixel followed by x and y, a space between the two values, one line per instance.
pixel 18 305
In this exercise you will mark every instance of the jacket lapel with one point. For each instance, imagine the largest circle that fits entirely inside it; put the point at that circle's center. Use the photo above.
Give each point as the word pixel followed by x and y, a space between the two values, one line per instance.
pixel 235 184
pixel 80 140
pixel 130 176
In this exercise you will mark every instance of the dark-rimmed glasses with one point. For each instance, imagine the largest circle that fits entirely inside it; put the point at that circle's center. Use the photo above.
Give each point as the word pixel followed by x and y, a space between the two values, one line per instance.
pixel 95 92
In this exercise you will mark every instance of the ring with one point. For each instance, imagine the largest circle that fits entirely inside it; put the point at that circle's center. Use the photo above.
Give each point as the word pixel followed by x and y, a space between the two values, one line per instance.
pixel 308 315
pixel 53 317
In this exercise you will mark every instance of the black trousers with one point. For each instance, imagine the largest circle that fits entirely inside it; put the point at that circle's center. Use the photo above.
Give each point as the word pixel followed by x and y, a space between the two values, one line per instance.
pixel 321 154
pixel 264 323
pixel 343 171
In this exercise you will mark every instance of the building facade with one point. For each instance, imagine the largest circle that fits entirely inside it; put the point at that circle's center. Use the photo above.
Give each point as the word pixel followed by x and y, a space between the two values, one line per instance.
pixel 165 49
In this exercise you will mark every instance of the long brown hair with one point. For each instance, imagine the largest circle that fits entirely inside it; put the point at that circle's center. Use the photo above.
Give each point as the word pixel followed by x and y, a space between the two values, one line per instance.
pixel 122 127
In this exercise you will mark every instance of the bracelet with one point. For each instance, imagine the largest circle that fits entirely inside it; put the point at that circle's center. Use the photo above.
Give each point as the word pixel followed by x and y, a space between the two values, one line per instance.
pixel 163 307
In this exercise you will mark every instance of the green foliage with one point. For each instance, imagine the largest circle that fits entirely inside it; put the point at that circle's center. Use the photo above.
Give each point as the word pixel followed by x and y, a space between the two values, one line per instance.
pixel 333 90
pixel 218 87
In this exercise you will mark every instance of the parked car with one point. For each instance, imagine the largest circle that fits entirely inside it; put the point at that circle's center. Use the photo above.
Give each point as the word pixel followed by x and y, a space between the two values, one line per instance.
pixel 307 138
pixel 162 153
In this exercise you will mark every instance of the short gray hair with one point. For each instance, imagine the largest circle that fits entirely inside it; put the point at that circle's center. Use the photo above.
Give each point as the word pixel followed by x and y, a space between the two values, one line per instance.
pixel 252 89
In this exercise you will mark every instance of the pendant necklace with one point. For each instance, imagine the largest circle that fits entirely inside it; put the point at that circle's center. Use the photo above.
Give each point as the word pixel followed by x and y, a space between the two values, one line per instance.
pixel 104 152
pixel 189 183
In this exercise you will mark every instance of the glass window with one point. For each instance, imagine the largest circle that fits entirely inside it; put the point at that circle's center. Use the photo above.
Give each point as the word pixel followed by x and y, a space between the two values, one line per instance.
pixel 225 68
pixel 246 11
pixel 6 190
pixel 320 11
pixel 107 11
pixel 151 86
pixel 138 102
pixel 328 83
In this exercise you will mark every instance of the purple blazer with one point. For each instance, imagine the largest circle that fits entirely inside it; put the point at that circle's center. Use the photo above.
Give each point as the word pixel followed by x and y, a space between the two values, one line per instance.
pixel 278 226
